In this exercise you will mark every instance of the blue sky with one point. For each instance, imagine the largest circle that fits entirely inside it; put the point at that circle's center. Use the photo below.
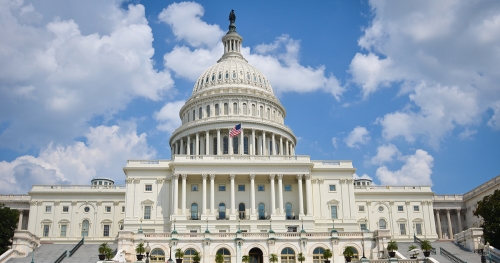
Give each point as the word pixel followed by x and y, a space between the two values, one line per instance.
pixel 406 90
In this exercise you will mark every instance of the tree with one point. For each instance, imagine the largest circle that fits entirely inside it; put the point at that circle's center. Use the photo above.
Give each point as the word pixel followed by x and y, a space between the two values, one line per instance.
pixel 489 210
pixel 300 257
pixel 10 218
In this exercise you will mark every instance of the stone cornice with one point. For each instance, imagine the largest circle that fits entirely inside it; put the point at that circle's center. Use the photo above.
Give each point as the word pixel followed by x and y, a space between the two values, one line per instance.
pixel 393 192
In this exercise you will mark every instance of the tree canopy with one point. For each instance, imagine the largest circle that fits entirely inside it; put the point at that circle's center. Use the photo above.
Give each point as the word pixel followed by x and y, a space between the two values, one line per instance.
pixel 489 210
pixel 8 224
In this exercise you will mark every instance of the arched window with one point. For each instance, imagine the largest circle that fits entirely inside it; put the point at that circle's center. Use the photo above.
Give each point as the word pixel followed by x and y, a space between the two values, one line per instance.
pixel 216 109
pixel 355 256
pixel 318 255
pixel 188 117
pixel 215 146
pixel 226 254
pixel 287 255
pixel 262 211
pixel 208 111
pixel 245 145
pixel 271 148
pixel 189 255
pixel 222 211
pixel 194 211
pixel 85 228
pixel 213 77
pixel 225 145
pixel 226 109
pixel 241 210
pixel 220 75
pixel 194 115
pixel 245 112
pixel 382 224
pixel 235 108
pixel 267 113
pixel 191 149
pixel 235 145
pixel 261 112
pixel 200 113
pixel 253 110
pixel 157 255
pixel 288 211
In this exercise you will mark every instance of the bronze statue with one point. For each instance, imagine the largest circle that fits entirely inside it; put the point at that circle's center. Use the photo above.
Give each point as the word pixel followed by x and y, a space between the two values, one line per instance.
pixel 232 16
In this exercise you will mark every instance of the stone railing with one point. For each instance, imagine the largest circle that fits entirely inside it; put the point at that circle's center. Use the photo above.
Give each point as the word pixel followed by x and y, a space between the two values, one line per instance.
pixel 481 188
pixel 469 238
pixel 76 187
pixel 458 198
pixel 11 253
pixel 259 158
pixel 24 241
pixel 403 188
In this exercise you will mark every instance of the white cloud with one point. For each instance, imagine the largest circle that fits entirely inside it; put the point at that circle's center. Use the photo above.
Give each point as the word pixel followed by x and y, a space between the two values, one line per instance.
pixel 103 154
pixel 385 153
pixel 467 134
pixel 335 142
pixel 417 170
pixel 494 122
pixel 450 46
pixel 168 116
pixel 279 60
pixel 358 136
pixel 54 77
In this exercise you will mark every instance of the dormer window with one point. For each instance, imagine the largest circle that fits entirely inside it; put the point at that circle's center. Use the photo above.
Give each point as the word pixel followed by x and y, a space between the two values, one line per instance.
pixel 227 75
pixel 234 75
pixel 213 77
pixel 220 76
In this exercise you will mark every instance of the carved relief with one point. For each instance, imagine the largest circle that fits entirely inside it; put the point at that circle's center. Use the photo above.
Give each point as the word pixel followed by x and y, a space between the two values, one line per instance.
pixel 129 180
pixel 252 176
pixel 299 176
pixel 204 176
pixel 280 176
pixel 160 180
pixel 212 176
pixel 137 180
pixel 271 177
pixel 175 176
pixel 184 176
pixel 307 176
pixel 56 203
pixel 232 176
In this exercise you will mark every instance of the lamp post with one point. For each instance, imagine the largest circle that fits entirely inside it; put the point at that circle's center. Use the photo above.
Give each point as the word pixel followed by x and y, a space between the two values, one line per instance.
pixel 140 229
pixel 170 250
pixel 147 250
pixel 363 238
pixel 481 249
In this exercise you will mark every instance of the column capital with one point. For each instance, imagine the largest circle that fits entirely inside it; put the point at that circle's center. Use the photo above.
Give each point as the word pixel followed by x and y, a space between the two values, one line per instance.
pixel 307 176
pixel 204 176
pixel 299 176
pixel 184 176
pixel 212 176
pixel 280 176
pixel 252 176
pixel 232 176
pixel 271 177
pixel 175 176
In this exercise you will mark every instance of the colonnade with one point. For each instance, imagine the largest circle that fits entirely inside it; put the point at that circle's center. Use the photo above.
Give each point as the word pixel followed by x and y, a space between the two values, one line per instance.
pixel 20 225
pixel 214 143
pixel 233 210
pixel 437 213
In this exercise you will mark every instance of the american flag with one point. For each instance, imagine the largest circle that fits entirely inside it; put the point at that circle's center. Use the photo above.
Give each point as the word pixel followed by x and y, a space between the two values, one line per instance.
pixel 235 131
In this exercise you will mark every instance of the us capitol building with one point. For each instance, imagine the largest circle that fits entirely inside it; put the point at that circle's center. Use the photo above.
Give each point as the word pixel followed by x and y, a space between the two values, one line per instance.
pixel 248 194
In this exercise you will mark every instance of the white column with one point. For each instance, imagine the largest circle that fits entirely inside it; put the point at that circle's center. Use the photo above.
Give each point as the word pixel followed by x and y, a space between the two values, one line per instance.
pixel 273 195
pixel 176 194
pixel 450 228
pixel 218 142
pixel 301 197
pixel 197 144
pixel 459 221
pixel 212 194
pixel 280 193
pixel 184 176
pixel 274 144
pixel 264 144
pixel 188 148
pixel 287 147
pixel 204 193
pixel 242 143
pixel 309 195
pixel 259 146
pixel 233 204
pixel 253 142
pixel 20 223
pixel 438 219
pixel 293 149
pixel 230 143
pixel 182 146
pixel 252 194
pixel 207 143
pixel 281 145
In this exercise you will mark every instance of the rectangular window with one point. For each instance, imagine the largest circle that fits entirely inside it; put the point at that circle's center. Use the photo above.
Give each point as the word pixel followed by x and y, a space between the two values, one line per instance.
pixel 362 227
pixel 400 208
pixel 147 212
pixel 260 187
pixel 108 209
pixel 106 231
pixel 334 211
pixel 241 187
pixel 65 209
pixel 194 187
pixel 63 230
pixel 288 188
pixel 48 209
pixel 222 187
pixel 416 208
pixel 333 188
pixel 222 231
pixel 123 209
pixel 291 229
pixel 46 229
pixel 402 229
pixel 361 208
pixel 418 228
pixel 148 187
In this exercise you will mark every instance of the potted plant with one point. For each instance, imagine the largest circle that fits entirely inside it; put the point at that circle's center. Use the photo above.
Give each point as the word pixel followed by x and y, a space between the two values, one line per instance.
pixel 326 255
pixel 392 246
pixel 109 253
pixel 196 257
pixel 273 258
pixel 300 257
pixel 413 251
pixel 245 258
pixel 102 251
pixel 426 246
pixel 179 255
pixel 139 249
pixel 348 253
pixel 219 258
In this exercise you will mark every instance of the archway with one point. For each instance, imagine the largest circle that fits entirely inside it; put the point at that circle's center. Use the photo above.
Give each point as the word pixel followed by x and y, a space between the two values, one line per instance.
pixel 256 255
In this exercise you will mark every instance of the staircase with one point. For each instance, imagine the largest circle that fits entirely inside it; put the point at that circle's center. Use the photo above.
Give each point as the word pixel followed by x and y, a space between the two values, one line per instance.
pixel 87 253
pixel 46 253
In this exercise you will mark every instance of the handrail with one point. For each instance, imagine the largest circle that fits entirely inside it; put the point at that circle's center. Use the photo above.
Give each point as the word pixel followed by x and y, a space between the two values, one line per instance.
pixel 77 246
pixel 61 257
pixel 450 256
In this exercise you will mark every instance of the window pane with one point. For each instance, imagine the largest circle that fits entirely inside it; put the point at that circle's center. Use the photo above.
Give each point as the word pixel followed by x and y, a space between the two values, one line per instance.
pixel 419 229
pixel 334 211
pixel 46 229
pixel 63 230
pixel 106 231
pixel 147 212
pixel 402 229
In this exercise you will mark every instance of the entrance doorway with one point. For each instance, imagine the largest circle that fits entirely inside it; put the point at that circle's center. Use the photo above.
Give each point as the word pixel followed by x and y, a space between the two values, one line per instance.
pixel 256 255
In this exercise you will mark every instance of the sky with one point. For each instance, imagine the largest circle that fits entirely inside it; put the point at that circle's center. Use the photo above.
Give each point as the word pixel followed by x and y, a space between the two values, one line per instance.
pixel 407 90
